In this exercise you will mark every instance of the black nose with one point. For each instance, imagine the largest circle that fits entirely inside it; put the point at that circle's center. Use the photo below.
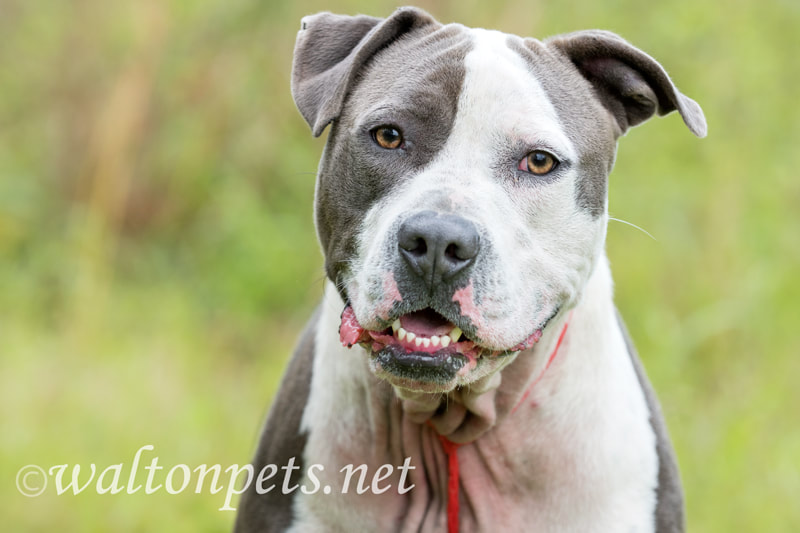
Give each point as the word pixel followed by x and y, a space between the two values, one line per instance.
pixel 438 246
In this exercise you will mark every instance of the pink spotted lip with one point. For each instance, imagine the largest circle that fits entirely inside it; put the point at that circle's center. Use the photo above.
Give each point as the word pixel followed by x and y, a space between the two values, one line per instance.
pixel 421 331
pixel 350 331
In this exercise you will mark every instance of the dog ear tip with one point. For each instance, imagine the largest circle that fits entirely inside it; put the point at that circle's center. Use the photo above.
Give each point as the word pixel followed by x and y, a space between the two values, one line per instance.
pixel 701 131
pixel 307 20
pixel 693 117
pixel 411 9
pixel 700 128
pixel 696 124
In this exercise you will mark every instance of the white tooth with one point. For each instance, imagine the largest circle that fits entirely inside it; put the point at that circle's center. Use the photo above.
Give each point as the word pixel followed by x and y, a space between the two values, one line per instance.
pixel 418 341
pixel 426 342
pixel 410 336
pixel 445 341
pixel 455 334
pixel 401 333
pixel 396 325
pixel 435 340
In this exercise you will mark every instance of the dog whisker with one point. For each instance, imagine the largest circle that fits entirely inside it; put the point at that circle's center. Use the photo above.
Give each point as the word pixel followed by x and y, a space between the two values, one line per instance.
pixel 634 226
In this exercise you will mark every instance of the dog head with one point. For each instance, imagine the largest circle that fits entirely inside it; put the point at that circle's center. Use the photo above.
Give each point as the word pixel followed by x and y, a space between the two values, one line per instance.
pixel 461 197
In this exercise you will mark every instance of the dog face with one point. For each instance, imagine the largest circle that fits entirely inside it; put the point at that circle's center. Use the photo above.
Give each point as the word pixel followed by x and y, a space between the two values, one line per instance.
pixel 461 198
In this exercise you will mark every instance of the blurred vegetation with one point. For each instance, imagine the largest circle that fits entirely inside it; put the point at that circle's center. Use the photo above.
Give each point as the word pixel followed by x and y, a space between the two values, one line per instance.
pixel 158 257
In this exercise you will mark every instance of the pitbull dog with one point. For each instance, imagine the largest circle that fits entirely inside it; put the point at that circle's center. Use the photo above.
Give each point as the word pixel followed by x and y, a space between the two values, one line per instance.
pixel 466 369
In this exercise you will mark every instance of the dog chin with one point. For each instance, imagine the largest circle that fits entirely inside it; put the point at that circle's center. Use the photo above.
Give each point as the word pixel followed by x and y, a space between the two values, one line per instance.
pixel 440 372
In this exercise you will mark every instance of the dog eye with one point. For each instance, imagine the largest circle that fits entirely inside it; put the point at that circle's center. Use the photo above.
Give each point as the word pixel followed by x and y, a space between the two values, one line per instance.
pixel 387 137
pixel 539 163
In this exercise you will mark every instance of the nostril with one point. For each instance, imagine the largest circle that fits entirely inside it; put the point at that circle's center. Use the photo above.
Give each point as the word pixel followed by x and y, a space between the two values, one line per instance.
pixel 413 245
pixel 464 249
pixel 419 248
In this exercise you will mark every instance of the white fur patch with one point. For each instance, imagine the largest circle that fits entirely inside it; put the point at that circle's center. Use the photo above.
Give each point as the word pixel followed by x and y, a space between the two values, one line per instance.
pixel 590 427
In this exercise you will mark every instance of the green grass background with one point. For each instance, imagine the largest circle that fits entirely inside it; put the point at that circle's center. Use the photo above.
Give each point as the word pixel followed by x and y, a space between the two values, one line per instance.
pixel 157 252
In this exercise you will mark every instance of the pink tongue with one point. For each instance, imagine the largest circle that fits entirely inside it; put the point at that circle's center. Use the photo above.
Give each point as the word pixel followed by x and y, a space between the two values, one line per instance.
pixel 426 323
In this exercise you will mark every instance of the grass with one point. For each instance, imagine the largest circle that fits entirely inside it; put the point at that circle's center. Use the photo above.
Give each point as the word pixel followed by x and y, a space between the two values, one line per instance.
pixel 157 252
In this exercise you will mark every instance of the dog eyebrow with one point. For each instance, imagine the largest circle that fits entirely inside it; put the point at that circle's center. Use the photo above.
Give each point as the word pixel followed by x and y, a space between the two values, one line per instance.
pixel 421 110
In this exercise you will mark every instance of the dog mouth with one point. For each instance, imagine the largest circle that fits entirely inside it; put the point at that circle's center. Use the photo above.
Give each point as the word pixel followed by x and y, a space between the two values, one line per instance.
pixel 423 331
pixel 423 346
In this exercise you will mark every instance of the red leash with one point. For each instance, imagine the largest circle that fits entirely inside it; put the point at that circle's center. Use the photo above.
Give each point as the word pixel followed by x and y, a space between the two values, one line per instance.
pixel 451 448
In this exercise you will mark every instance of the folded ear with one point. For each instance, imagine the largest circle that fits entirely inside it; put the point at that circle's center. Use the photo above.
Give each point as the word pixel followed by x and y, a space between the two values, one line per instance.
pixel 329 52
pixel 630 84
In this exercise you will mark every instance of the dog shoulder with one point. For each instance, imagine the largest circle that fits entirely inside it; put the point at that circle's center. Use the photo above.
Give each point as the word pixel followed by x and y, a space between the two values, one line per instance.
pixel 669 514
pixel 281 441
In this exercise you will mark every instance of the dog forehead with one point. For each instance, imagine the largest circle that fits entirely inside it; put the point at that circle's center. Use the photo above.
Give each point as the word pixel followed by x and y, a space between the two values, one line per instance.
pixel 472 72
pixel 420 73
pixel 502 101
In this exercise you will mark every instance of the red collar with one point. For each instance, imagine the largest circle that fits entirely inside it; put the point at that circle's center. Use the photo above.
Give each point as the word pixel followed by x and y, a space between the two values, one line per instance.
pixel 549 362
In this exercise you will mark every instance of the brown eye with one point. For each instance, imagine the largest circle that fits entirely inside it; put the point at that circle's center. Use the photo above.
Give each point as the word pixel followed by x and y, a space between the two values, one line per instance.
pixel 388 137
pixel 539 163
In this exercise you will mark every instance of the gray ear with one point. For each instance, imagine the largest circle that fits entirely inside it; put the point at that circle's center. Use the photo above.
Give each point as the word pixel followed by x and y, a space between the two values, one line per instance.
pixel 630 84
pixel 329 52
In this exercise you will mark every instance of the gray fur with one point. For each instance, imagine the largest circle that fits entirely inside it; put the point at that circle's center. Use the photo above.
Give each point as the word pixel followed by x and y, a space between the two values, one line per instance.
pixel 630 83
pixel 354 173
pixel 281 439
pixel 670 517
pixel 331 49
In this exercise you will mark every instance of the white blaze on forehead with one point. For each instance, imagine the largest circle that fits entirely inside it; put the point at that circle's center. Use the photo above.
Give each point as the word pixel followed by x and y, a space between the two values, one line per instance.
pixel 501 100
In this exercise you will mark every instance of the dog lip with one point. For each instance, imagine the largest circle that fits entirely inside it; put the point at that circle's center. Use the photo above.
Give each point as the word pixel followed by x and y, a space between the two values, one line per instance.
pixel 382 340
pixel 420 371
pixel 425 360
pixel 426 324
pixel 536 335
pixel 351 332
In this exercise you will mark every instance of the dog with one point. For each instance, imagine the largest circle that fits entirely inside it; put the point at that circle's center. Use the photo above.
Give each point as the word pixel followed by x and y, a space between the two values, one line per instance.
pixel 467 369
